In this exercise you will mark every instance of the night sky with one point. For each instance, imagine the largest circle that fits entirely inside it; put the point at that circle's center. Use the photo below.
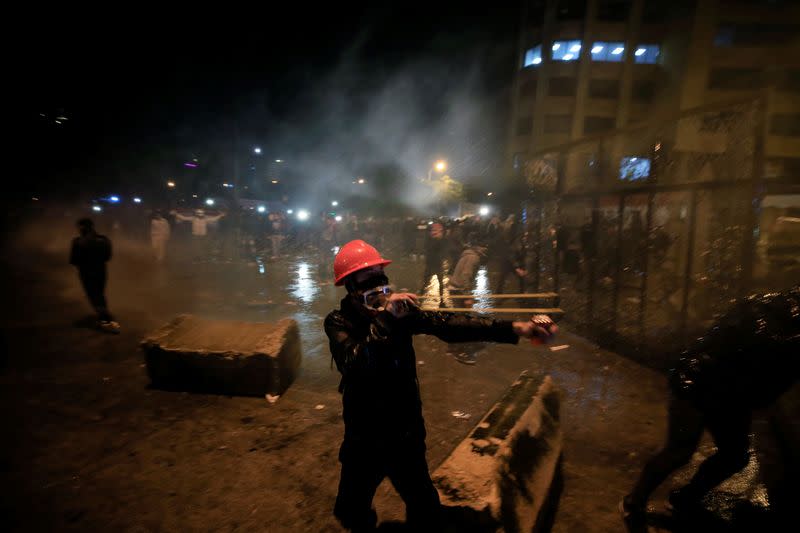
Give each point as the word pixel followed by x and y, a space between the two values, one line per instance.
pixel 143 90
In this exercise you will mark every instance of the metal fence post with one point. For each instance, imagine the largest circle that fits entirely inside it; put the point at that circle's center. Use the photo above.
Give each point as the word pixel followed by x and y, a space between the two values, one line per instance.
pixel 617 261
pixel 687 273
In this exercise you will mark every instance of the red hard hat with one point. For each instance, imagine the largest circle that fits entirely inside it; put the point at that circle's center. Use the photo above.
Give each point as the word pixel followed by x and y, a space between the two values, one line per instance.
pixel 354 256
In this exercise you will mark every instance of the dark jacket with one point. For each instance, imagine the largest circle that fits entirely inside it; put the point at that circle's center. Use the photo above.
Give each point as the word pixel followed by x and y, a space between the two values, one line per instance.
pixel 749 357
pixel 90 252
pixel 379 369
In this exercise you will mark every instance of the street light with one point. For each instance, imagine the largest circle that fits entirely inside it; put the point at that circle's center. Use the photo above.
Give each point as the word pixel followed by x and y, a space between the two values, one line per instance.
pixel 440 166
pixel 261 209
pixel 137 200
pixel 484 210
pixel 302 214
pixel 171 184
pixel 257 150
pixel 209 201
pixel 334 203
pixel 361 181
pixel 279 160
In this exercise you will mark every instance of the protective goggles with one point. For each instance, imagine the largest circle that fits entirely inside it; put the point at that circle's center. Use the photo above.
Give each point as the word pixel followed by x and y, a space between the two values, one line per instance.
pixel 372 297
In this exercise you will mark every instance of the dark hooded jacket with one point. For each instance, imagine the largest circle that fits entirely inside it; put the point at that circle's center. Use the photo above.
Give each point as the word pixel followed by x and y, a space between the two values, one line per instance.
pixel 376 358
pixel 749 357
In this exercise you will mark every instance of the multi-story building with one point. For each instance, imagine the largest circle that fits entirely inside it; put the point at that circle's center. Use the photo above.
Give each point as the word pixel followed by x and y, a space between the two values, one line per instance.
pixel 590 66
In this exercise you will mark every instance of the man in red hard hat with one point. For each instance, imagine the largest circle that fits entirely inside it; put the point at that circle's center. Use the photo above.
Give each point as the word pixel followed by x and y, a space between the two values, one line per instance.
pixel 371 341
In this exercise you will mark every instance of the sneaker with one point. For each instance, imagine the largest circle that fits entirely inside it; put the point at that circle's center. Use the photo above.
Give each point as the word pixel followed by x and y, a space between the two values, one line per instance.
pixel 109 326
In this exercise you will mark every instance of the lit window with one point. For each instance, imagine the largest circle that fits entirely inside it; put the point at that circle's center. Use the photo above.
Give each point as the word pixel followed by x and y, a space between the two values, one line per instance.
pixel 647 53
pixel 634 168
pixel 533 56
pixel 566 50
pixel 602 51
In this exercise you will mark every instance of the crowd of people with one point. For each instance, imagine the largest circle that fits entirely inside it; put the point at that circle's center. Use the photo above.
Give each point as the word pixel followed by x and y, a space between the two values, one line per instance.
pixel 452 249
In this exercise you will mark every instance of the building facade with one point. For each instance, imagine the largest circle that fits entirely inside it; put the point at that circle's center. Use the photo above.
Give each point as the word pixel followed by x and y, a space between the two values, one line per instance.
pixel 592 66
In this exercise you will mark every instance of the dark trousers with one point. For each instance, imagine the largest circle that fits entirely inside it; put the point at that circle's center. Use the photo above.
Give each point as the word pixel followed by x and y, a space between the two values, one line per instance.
pixel 500 272
pixel 730 429
pixel 364 469
pixel 433 267
pixel 94 284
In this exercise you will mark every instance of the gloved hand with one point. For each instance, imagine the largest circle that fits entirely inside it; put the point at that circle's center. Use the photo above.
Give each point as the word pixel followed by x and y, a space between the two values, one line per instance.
pixel 401 304
pixel 540 328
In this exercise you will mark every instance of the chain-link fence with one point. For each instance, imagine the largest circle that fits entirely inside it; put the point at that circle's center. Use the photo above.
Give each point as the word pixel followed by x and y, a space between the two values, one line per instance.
pixel 647 233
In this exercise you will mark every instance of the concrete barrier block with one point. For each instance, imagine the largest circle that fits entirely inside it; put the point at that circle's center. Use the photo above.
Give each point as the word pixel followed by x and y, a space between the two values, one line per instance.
pixel 223 356
pixel 505 468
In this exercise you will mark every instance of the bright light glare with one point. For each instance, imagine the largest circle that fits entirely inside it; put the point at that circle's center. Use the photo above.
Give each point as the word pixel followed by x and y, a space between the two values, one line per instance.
pixel 575 48
pixel 617 51
pixel 334 203
pixel 261 209
pixel 279 160
pixel 361 181
pixel 597 49
pixel 567 57
pixel 440 166
pixel 289 211
pixel 114 199
pixel 338 218
pixel 537 60
pixel 171 184
pixel 257 150
pixel 640 52
pixel 209 201
pixel 483 211
pixel 556 46
pixel 97 208
pixel 489 193
pixel 137 200
pixel 274 182
pixel 302 214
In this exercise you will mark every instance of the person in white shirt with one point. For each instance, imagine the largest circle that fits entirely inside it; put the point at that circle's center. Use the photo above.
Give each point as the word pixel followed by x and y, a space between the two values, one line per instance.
pixel 200 224
pixel 159 235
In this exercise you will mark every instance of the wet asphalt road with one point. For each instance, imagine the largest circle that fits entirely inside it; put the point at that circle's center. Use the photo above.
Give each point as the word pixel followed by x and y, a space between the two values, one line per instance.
pixel 92 447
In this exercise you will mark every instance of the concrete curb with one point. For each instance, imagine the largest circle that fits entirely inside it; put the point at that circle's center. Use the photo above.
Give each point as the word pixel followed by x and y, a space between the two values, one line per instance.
pixel 503 471
pixel 223 356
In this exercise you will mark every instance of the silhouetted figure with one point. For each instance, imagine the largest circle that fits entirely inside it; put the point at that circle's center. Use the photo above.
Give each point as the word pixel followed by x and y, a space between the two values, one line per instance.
pixel 159 236
pixel 746 360
pixel 201 242
pixel 506 256
pixel 90 252
pixel 435 250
